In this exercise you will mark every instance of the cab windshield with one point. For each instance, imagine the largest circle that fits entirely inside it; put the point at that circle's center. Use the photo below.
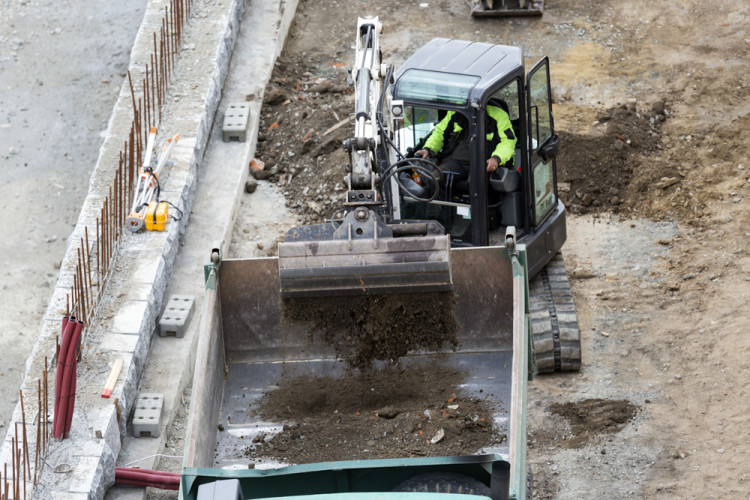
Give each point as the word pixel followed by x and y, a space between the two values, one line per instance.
pixel 451 204
pixel 433 86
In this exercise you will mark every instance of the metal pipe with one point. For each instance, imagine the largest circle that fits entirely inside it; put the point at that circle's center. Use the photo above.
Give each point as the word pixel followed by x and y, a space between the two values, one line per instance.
pixel 165 38
pixel 500 481
pixel 18 464
pixel 155 64
pixel 100 247
pixel 26 460
pixel 132 90
pixel 118 193
pixel 88 257
pixel 13 464
pixel 46 406
pixel 105 236
pixel 38 426
pixel 141 140
pixel 173 30
pixel 110 222
pixel 84 281
pixel 146 100
pixel 74 289
pixel 80 284
pixel 152 95
pixel 164 66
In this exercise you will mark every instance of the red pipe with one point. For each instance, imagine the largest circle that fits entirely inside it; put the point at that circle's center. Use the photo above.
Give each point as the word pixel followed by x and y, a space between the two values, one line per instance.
pixel 68 330
pixel 58 426
pixel 72 377
pixel 147 484
pixel 134 472
pixel 145 477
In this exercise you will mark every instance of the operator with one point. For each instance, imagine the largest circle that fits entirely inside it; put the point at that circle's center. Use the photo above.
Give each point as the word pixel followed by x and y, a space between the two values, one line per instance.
pixel 449 141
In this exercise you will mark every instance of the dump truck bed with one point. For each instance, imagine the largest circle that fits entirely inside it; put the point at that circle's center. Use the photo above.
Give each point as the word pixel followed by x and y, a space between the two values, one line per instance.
pixel 248 347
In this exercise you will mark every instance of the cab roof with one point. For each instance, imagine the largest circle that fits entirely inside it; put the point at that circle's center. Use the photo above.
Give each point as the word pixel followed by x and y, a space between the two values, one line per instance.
pixel 484 60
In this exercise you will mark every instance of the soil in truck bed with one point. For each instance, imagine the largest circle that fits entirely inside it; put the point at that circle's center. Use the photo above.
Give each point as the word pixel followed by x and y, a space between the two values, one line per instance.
pixel 363 329
pixel 388 412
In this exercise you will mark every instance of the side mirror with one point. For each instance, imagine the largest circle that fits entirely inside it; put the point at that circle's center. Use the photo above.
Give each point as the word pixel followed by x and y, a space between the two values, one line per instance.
pixel 550 148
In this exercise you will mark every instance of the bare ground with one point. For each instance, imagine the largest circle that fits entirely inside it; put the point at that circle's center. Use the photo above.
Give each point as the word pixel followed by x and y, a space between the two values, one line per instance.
pixel 650 104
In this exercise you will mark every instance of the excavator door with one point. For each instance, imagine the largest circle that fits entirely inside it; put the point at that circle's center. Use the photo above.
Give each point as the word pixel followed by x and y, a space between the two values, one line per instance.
pixel 543 142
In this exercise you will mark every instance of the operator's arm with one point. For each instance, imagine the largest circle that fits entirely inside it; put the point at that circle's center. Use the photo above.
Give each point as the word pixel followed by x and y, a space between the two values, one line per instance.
pixel 436 140
pixel 506 148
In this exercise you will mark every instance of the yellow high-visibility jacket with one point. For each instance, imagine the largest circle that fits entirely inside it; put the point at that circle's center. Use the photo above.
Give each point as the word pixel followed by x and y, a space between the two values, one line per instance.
pixel 504 142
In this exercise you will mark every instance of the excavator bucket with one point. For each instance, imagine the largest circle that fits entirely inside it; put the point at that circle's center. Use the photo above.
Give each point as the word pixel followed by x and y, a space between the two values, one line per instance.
pixel 364 267
pixel 506 8
pixel 363 255
pixel 259 324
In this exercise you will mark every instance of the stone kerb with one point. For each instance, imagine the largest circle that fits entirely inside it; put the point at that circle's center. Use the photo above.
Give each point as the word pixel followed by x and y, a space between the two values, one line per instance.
pixel 95 437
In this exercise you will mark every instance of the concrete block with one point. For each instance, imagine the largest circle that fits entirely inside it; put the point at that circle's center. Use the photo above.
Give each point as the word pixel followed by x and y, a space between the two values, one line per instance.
pixel 83 474
pixel 176 315
pixel 236 119
pixel 149 266
pixel 130 317
pixel 172 187
pixel 119 342
pixel 147 415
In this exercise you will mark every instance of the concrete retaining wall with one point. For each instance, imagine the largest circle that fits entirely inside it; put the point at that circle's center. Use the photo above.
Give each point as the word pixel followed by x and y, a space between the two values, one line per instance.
pixel 83 465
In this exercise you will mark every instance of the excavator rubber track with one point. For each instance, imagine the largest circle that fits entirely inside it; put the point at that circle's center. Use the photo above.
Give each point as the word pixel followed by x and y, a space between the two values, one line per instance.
pixel 554 324
pixel 506 8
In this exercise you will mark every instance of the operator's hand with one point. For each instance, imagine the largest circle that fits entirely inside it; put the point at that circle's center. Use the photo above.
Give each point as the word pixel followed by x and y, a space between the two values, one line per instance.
pixel 491 165
pixel 423 153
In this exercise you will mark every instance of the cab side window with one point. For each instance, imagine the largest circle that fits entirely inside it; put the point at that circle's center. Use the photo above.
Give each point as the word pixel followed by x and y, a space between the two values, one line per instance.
pixel 507 100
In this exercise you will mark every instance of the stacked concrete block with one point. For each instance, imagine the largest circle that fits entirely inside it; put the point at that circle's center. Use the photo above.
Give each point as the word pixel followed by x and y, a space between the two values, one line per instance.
pixel 147 415
pixel 236 118
pixel 177 313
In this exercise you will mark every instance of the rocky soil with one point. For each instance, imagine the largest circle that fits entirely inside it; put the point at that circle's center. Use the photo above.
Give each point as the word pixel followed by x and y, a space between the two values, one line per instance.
pixel 385 413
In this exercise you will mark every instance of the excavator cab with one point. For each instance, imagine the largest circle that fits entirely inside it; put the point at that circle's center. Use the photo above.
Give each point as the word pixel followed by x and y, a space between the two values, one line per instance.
pixel 468 79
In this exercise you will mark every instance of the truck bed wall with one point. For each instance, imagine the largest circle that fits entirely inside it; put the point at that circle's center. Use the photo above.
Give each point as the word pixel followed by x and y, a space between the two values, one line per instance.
pixel 254 328
pixel 208 383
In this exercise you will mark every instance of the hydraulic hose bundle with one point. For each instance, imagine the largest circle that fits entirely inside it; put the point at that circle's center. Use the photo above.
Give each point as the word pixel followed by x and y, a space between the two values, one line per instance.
pixel 65 378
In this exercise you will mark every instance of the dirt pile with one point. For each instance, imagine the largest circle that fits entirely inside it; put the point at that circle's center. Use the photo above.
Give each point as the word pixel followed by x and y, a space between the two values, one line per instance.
pixel 605 169
pixel 380 327
pixel 387 413
pixel 305 119
pixel 590 418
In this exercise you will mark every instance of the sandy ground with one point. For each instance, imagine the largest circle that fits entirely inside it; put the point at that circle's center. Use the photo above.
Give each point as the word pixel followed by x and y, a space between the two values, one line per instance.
pixel 660 286
pixel 61 67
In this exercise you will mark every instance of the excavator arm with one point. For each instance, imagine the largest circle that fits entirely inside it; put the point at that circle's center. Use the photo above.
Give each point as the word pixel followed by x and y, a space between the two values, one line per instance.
pixel 365 252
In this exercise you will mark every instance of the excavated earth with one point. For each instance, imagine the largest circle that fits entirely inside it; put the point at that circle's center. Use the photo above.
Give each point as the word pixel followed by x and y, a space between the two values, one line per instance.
pixel 650 105
pixel 387 412
pixel 381 327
